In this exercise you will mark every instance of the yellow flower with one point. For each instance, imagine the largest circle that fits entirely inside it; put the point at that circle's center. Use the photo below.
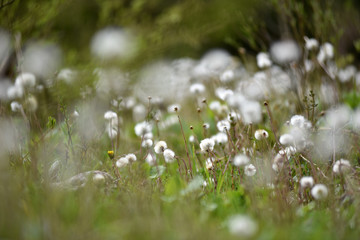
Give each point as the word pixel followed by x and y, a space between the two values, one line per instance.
pixel 111 154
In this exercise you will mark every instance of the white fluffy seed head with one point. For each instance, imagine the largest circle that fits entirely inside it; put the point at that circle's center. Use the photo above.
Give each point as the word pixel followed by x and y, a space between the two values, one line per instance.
pixel 209 164
pixel 122 162
pixel 147 143
pixel 223 125
pixel 150 159
pixel 197 88
pixel 307 182
pixel 319 191
pixel 26 80
pixel 261 134
pixel 142 128
pixel 98 179
pixel 284 52
pixel 242 226
pixel 207 145
pixel 220 138
pixel 341 166
pixel 169 156
pixel 311 43
pixel 263 60
pixel 15 106
pixel 110 115
pixel 240 160
pixel 286 139
pixel 160 147
pixel 250 170
pixel 131 157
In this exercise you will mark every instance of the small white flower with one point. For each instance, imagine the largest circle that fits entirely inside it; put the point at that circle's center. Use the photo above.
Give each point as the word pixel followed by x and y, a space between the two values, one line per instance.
pixel 223 125
pixel 261 134
pixel 240 160
pixel 250 170
pixel 160 147
pixel 131 157
pixel 263 60
pixel 209 164
pixel 207 145
pixel 306 182
pixel 192 138
pixel 341 166
pixel 150 159
pixel 197 88
pixel 147 143
pixel 319 191
pixel 15 106
pixel 311 43
pixel 75 114
pixel 142 128
pixel 242 226
pixel 122 162
pixel 169 156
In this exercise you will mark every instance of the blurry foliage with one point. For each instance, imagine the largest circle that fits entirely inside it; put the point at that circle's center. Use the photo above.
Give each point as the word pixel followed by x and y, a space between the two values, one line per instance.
pixel 179 28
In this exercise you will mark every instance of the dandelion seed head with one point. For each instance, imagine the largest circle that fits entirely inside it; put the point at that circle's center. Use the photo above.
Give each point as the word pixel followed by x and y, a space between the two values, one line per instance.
pixel 197 88
pixel 122 162
pixel 42 59
pixel 250 170
pixel 223 93
pixel 263 60
pixel 319 191
pixel 169 155
pixel 307 182
pixel 25 80
pixel 209 164
pixel 220 138
pixel 142 128
pixel 207 145
pixel 160 147
pixel 341 166
pixel 111 42
pixel 151 160
pixel 131 157
pixel 15 106
pixel 14 92
pixel 261 134
pixel 326 52
pixel 284 52
pixel 147 143
pixel 240 160
pixel 242 226
pixel 98 179
pixel 223 125
pixel 311 43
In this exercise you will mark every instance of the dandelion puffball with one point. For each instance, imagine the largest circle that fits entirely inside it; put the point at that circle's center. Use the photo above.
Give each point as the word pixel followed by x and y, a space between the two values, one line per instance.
pixel 160 147
pixel 242 226
pixel 169 156
pixel 261 134
pixel 306 182
pixel 207 145
pixel 110 43
pixel 319 191
pixel 241 160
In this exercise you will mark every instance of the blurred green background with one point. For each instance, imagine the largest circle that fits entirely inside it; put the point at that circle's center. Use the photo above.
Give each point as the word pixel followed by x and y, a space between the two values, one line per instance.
pixel 175 28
